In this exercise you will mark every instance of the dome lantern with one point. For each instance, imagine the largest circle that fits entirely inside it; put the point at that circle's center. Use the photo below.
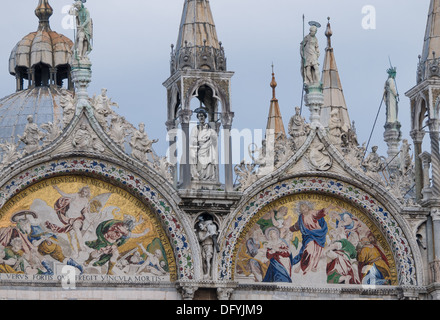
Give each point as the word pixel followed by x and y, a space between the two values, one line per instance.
pixel 42 57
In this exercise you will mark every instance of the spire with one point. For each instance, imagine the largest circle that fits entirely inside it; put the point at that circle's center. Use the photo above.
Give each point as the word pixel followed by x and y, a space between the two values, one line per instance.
pixel 429 61
pixel 197 43
pixel 44 11
pixel 332 88
pixel 275 120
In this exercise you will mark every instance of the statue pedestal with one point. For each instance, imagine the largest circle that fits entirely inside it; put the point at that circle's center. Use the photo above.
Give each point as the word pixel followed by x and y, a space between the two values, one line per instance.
pixel 204 185
pixel 81 77
pixel 314 100
pixel 392 137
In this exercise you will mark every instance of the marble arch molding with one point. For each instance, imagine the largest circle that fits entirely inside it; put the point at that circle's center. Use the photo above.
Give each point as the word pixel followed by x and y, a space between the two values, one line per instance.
pixel 388 225
pixel 173 226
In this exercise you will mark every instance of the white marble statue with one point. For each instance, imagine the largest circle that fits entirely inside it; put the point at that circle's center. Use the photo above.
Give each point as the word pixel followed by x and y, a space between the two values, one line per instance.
pixel 298 129
pixel 102 105
pixel 203 149
pixel 309 56
pixel 31 136
pixel 141 145
pixel 67 102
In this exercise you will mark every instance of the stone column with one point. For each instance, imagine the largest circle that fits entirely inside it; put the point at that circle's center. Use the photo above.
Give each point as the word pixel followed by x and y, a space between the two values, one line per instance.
pixel 392 137
pixel 185 174
pixel 82 76
pixel 53 77
pixel 435 156
pixel 226 119
pixel 314 100
pixel 172 140
pixel 417 137
pixel 434 264
pixel 426 164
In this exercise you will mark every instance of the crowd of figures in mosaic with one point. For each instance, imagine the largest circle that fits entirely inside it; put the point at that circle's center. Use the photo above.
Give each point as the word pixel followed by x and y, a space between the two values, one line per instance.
pixel 303 243
pixel 86 224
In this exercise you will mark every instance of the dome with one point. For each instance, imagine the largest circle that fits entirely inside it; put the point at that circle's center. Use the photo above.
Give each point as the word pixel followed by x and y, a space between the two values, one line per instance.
pixel 42 57
pixel 42 103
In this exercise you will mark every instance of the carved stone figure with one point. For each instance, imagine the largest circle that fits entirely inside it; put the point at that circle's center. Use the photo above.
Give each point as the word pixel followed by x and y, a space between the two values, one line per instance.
pixel 118 130
pixel 207 234
pixel 246 174
pixel 373 162
pixel 203 150
pixel 298 129
pixel 102 104
pixel 11 154
pixel 310 54
pixel 51 134
pixel 141 145
pixel 335 128
pixel 31 136
pixel 67 102
pixel 391 96
pixel 84 139
pixel 319 157
pixel 84 31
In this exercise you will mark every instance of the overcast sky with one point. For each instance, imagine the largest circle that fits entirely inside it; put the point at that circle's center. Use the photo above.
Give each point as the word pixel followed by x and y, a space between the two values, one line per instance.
pixel 132 41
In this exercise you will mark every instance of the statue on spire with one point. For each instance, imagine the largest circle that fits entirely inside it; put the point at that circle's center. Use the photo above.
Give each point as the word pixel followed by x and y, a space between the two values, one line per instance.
pixel 84 30
pixel 391 96
pixel 309 56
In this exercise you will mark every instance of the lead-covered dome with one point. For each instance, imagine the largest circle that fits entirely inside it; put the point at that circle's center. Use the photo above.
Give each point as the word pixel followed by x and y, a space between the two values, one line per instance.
pixel 42 57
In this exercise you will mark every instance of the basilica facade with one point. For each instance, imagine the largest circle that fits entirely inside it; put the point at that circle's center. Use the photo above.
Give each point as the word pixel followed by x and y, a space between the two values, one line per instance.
pixel 89 210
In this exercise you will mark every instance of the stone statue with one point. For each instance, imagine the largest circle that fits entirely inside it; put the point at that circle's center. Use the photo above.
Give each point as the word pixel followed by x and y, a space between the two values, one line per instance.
pixel 118 130
pixel 10 154
pixel 84 31
pixel 31 136
pixel 86 140
pixel 373 162
pixel 391 96
pixel 310 54
pixel 335 129
pixel 319 156
pixel 298 129
pixel 207 234
pixel 141 145
pixel 102 104
pixel 67 102
pixel 51 134
pixel 203 149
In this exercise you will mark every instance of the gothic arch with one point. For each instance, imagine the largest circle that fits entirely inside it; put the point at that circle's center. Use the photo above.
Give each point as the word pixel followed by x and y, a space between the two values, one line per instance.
pixel 392 227
pixel 219 93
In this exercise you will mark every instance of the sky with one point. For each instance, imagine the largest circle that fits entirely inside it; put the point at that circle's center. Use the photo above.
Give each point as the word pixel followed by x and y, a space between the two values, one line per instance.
pixel 132 40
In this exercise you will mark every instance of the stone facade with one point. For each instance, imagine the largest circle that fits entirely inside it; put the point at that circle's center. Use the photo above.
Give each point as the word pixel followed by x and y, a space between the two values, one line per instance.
pixel 89 210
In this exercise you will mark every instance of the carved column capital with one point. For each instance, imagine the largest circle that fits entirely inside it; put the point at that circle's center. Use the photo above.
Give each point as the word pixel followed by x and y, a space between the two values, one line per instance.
pixel 417 136
pixel 227 118
pixel 185 116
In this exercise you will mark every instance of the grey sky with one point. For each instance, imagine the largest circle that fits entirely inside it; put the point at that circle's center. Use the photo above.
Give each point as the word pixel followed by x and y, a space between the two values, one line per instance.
pixel 132 41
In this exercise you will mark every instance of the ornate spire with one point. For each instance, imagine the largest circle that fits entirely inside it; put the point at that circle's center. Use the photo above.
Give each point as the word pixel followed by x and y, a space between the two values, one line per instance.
pixel 197 44
pixel 429 62
pixel 275 120
pixel 44 11
pixel 332 88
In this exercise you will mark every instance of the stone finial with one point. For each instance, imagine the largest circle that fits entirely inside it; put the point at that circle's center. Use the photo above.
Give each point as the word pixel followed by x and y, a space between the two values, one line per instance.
pixel 44 11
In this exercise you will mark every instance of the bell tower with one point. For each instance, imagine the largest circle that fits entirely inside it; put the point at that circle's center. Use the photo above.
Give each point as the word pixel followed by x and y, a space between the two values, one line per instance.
pixel 199 87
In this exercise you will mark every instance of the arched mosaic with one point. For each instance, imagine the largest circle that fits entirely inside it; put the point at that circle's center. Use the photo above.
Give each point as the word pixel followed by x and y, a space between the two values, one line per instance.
pixel 159 215
pixel 85 223
pixel 316 231
pixel 310 239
